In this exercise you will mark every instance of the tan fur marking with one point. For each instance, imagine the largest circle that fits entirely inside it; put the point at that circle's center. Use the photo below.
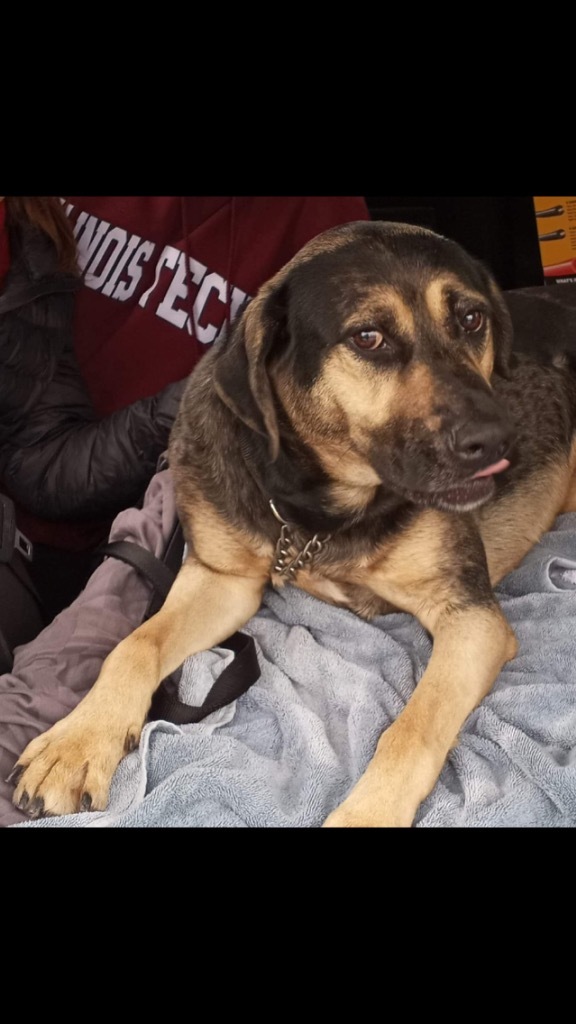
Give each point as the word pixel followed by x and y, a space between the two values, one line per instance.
pixel 355 481
pixel 348 469
pixel 512 525
pixel 435 295
pixel 364 396
pixel 486 361
pixel 411 571
pixel 436 301
pixel 223 548
pixel 417 396
pixel 323 425
pixel 345 498
pixel 322 588
pixel 319 422
pixel 570 498
pixel 370 307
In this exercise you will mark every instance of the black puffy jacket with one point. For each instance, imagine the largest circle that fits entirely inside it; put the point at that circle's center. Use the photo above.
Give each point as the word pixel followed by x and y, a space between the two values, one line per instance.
pixel 57 458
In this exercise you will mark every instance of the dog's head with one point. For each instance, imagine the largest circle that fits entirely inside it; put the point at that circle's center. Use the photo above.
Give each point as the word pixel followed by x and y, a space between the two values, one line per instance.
pixel 376 345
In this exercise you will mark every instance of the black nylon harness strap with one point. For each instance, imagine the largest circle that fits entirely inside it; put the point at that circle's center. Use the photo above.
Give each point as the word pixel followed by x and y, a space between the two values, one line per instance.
pixel 158 574
pixel 232 682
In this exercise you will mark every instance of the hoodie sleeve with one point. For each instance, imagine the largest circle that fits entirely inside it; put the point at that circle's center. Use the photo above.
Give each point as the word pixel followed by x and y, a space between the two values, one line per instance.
pixel 62 462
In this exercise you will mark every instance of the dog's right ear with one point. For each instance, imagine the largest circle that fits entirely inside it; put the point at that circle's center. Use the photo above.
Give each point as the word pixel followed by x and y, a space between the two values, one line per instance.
pixel 240 371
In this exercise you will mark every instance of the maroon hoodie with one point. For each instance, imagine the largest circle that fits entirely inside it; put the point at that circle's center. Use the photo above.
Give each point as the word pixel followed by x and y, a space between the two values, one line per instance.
pixel 143 321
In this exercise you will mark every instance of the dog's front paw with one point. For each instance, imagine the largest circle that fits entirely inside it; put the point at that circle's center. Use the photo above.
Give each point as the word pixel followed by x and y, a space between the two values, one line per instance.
pixel 350 816
pixel 371 805
pixel 70 767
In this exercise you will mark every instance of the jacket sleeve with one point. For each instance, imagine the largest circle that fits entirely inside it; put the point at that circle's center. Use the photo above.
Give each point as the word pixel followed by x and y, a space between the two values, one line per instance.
pixel 62 462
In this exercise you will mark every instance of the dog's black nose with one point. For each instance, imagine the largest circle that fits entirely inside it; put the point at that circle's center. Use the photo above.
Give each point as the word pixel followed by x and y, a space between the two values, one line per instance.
pixel 477 445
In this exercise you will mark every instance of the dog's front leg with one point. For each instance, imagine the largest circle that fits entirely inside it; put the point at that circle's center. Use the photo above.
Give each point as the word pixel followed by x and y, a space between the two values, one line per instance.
pixel 69 768
pixel 472 641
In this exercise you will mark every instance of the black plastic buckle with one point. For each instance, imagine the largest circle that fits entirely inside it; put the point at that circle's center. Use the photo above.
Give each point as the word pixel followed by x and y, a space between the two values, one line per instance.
pixel 11 539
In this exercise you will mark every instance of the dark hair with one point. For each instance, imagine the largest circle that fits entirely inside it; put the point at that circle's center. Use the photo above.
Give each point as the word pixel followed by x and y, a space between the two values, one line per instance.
pixel 47 214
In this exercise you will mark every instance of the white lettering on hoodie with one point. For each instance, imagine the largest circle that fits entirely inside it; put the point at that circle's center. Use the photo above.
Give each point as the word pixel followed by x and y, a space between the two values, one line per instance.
pixel 113 263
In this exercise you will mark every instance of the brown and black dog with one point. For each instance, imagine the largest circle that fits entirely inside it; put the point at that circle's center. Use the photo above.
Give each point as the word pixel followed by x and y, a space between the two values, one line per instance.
pixel 366 434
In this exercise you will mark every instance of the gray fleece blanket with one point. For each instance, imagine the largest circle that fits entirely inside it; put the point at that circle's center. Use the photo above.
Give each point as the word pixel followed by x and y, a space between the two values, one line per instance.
pixel 291 748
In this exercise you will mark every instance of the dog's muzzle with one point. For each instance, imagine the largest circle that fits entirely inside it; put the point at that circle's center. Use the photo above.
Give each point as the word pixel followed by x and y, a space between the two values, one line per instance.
pixel 475 446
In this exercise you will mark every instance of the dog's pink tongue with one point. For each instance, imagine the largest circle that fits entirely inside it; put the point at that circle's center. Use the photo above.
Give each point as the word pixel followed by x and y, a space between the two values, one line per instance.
pixel 498 467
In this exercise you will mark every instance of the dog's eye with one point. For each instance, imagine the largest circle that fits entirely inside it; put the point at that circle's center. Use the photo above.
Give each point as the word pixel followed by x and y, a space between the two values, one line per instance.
pixel 368 340
pixel 472 321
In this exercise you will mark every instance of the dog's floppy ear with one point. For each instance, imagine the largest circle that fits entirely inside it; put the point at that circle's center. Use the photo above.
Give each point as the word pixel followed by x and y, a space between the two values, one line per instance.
pixel 240 370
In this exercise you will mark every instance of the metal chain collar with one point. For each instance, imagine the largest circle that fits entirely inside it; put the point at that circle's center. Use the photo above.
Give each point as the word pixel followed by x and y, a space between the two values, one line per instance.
pixel 283 564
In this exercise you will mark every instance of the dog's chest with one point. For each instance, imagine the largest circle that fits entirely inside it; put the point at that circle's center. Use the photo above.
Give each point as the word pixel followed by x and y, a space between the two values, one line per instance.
pixel 354 596
pixel 294 554
pixel 335 568
pixel 309 567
